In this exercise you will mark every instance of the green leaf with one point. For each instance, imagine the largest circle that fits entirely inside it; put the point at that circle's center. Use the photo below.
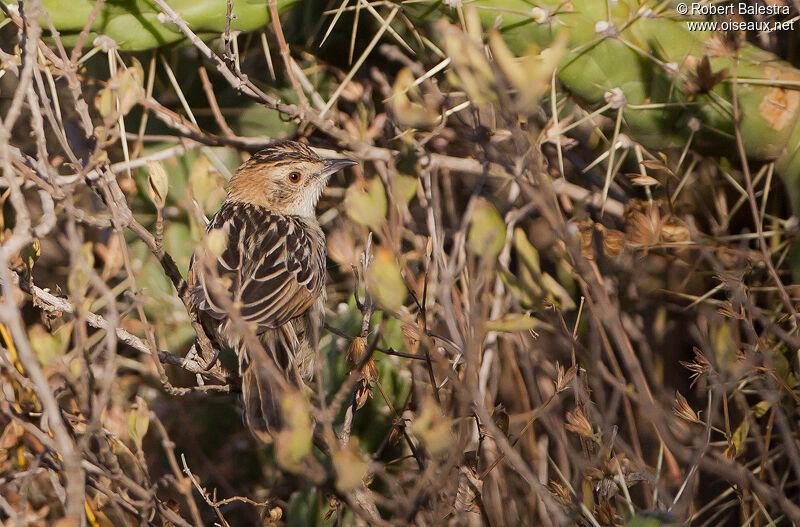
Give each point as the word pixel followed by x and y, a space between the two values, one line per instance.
pixel 257 119
pixel 487 232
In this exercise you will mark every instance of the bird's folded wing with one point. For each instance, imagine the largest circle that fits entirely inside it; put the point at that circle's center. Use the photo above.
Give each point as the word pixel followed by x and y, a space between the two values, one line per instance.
pixel 268 268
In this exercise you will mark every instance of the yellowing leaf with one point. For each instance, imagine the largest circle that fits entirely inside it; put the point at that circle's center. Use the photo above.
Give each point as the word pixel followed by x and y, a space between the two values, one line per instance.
pixel 530 74
pixel 138 421
pixel 473 23
pixel 513 322
pixel 739 439
pixel 761 408
pixel 293 442
pixel 506 60
pixel 216 241
pixel 206 188
pixel 48 345
pixel 157 183
pixel 432 428
pixel 129 87
pixel 30 253
pixel 487 231
pixel 526 251
pixel 385 281
pixel 105 102
pixel 470 70
pixel 724 349
pixel 350 469
pixel 403 187
pixel 522 287
pixel 78 279
pixel 404 102
pixel 123 91
pixel 558 292
pixel 365 203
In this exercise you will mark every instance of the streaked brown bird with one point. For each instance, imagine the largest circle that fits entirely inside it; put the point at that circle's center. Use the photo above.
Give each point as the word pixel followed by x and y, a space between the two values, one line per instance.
pixel 269 274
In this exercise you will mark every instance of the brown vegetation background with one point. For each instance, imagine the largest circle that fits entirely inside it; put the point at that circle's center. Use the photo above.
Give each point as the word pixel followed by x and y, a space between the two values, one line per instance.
pixel 507 345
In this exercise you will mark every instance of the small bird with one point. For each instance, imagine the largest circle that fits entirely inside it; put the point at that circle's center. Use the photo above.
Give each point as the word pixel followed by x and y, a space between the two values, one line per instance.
pixel 268 276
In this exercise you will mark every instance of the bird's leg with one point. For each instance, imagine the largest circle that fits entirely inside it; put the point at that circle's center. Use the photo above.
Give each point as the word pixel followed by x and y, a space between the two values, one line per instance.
pixel 213 360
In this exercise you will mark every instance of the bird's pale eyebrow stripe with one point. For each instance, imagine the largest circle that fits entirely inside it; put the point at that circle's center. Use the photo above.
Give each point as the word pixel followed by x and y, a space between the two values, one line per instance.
pixel 284 152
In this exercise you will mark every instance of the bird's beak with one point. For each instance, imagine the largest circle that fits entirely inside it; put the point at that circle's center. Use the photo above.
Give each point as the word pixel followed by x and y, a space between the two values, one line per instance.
pixel 332 166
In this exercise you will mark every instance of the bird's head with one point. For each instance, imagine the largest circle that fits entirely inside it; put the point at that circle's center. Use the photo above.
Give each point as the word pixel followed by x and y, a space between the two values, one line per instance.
pixel 286 177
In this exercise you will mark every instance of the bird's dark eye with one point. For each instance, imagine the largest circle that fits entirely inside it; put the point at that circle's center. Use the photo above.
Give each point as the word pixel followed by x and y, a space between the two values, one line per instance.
pixel 294 177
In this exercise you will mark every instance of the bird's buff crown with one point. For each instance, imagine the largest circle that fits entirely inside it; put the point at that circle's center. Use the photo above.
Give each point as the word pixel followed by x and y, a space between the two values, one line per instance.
pixel 286 178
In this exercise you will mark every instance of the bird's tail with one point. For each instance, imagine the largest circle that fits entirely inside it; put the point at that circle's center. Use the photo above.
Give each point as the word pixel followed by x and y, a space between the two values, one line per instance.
pixel 264 379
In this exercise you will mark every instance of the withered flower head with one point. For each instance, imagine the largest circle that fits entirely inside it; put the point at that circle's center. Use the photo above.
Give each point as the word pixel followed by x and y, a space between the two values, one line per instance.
pixel 363 367
pixel 578 423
